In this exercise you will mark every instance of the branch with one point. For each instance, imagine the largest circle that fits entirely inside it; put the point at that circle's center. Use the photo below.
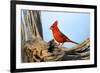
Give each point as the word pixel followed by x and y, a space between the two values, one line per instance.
pixel 41 51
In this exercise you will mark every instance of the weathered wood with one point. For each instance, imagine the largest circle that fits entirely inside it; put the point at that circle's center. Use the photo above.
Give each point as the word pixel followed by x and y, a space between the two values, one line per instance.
pixel 30 25
pixel 37 50
pixel 80 47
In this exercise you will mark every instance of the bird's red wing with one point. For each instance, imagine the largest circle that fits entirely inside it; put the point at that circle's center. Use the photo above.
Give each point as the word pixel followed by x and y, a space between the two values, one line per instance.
pixel 64 37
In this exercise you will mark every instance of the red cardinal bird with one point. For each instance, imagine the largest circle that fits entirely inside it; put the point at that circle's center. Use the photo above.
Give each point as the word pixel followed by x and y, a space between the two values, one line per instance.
pixel 58 35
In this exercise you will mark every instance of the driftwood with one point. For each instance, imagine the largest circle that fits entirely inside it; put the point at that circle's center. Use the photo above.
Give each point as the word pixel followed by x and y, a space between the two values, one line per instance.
pixel 38 50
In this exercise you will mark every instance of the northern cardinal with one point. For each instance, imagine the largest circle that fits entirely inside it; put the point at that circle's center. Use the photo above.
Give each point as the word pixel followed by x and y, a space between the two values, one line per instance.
pixel 58 35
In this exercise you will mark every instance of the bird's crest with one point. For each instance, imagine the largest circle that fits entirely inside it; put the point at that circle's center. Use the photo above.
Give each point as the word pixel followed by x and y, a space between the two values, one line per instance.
pixel 55 23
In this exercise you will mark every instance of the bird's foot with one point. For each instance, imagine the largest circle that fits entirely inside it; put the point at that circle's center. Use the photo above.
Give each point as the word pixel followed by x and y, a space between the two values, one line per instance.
pixel 59 46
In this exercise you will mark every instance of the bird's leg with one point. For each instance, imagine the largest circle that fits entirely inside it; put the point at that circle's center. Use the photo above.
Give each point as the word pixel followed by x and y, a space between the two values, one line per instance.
pixel 58 44
pixel 61 44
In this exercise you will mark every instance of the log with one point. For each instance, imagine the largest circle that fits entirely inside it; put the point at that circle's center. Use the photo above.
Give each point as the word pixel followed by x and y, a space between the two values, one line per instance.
pixel 38 50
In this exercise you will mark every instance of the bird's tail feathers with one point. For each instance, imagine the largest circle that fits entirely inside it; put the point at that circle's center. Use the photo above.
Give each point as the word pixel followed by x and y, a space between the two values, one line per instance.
pixel 74 42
